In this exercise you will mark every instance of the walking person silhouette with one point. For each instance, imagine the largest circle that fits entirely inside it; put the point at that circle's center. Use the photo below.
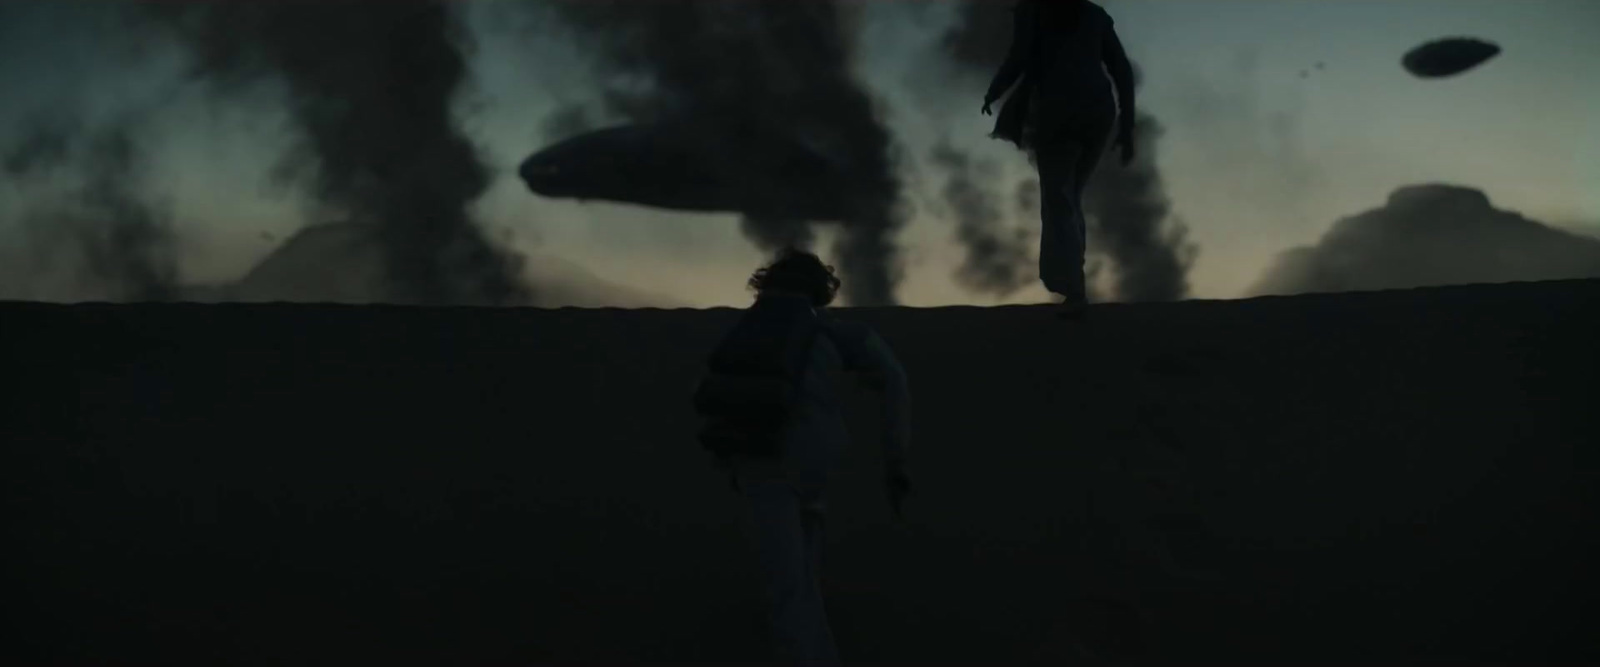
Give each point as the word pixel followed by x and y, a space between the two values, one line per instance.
pixel 1073 86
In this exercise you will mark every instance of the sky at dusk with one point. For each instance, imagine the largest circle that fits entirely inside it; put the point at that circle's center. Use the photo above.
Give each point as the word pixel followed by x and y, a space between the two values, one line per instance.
pixel 1263 149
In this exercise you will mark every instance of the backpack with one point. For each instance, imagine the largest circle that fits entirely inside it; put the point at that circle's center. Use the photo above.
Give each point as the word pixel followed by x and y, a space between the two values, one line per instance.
pixel 755 378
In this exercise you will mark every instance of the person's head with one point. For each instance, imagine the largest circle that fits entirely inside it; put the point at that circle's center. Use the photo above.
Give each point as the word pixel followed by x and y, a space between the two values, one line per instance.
pixel 796 271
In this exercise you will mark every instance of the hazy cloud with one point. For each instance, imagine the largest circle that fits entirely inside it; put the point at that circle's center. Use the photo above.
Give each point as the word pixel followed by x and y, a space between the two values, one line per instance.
pixel 1431 235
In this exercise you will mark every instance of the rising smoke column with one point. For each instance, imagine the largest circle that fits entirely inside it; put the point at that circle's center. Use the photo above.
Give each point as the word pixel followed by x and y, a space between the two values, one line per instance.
pixel 1149 250
pixel 996 262
pixel 135 248
pixel 371 85
pixel 101 241
pixel 1027 196
pixel 1127 206
pixel 780 65
pixel 45 143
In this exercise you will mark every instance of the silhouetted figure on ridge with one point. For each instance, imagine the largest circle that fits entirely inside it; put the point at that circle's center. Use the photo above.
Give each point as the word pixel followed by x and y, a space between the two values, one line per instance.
pixel 1062 112
pixel 773 421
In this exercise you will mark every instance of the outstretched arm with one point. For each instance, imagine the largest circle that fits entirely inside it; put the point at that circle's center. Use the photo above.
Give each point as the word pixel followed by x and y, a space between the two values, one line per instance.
pixel 1022 35
pixel 1121 71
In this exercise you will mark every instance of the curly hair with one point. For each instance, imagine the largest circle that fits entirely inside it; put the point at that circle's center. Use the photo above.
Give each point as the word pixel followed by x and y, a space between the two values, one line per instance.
pixel 797 271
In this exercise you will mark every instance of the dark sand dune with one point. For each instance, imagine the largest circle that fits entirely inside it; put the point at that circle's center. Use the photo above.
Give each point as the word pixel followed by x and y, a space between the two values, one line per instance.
pixel 1389 475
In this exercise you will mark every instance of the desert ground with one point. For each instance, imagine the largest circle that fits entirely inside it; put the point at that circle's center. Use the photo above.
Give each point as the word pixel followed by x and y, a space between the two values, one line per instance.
pixel 1395 475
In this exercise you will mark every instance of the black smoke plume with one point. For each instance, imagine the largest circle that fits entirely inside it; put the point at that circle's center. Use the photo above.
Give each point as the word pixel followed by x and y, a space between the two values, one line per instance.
pixel 101 241
pixel 1027 196
pixel 569 121
pixel 1127 206
pixel 980 35
pixel 371 86
pixel 1431 235
pixel 45 143
pixel 135 248
pixel 997 259
pixel 735 64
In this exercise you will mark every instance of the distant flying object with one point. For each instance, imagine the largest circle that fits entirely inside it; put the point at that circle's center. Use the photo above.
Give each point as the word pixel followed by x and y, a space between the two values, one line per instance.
pixel 701 167
pixel 1448 57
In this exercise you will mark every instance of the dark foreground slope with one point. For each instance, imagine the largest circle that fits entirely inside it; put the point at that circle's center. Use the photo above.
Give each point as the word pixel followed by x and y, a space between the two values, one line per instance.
pixel 1361 476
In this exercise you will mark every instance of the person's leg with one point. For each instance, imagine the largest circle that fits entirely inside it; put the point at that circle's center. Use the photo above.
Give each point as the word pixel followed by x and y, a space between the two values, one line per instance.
pixel 799 622
pixel 1061 241
pixel 1088 158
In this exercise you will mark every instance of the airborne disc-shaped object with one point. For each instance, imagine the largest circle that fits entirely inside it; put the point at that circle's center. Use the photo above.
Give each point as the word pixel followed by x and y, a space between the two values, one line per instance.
pixel 1448 57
